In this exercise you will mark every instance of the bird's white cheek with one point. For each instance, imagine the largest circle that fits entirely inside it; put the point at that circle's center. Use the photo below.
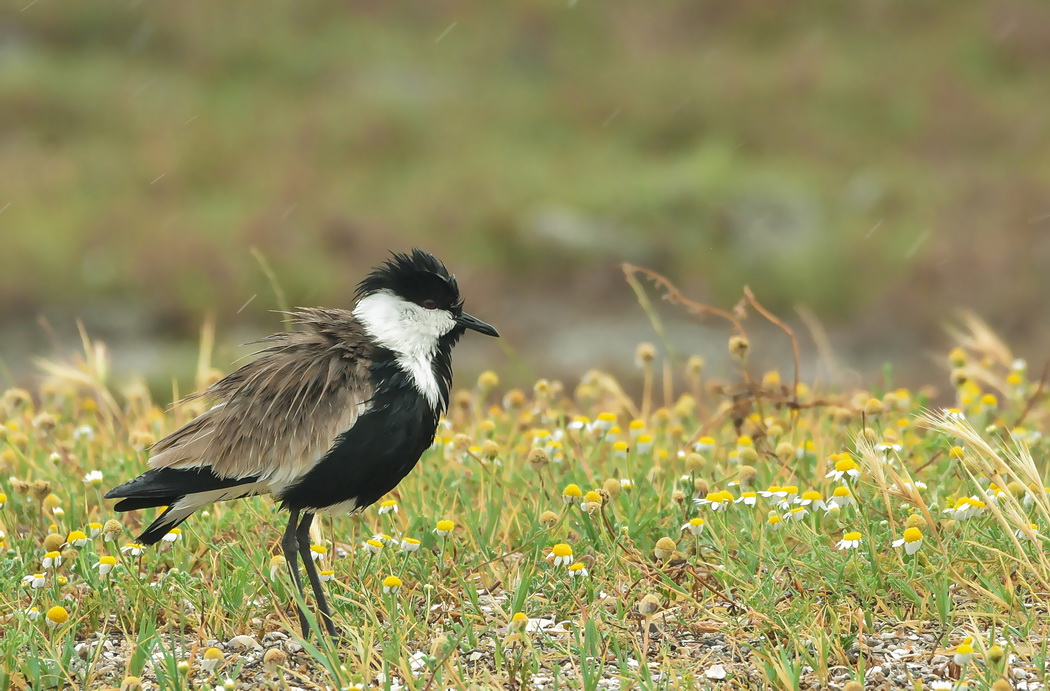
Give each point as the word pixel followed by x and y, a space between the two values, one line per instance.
pixel 435 323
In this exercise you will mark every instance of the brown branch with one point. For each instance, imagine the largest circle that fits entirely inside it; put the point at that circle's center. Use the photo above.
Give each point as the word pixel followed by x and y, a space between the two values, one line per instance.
pixel 675 297
pixel 783 327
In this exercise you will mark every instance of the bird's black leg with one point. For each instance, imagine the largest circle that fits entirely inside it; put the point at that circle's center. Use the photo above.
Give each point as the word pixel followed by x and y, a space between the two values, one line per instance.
pixel 302 534
pixel 290 545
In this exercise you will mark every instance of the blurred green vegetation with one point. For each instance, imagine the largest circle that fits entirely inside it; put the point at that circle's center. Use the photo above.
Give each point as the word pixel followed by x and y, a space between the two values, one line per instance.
pixel 877 155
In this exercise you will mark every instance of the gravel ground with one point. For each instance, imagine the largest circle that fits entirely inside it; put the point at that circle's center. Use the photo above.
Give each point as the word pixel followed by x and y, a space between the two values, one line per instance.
pixel 894 657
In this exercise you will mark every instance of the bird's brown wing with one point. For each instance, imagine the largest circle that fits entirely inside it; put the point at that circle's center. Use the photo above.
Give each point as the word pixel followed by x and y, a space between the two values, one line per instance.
pixel 276 416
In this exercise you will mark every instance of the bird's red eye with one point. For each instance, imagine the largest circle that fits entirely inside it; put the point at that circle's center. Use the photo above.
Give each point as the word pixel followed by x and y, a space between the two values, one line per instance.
pixel 429 304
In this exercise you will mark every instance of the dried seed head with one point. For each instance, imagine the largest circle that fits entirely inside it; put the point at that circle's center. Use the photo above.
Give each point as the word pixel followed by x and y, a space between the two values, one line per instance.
pixel 612 487
pixel 873 407
pixel 53 542
pixel 644 354
pixel 746 455
pixel 538 459
pixel 45 423
pixel 439 646
pixel 461 442
pixel 959 377
pixel 19 487
pixel 853 686
pixel 141 440
pixel 488 380
pixel 557 389
pixel 111 529
pixel 40 489
pixel 694 365
pixel 684 406
pixel 678 496
pixel 738 347
pixel 15 401
pixel 273 659
pixel 649 605
pixel 665 547
pixel 548 518
pixel 462 399
pixel 748 475
pixel 694 462
pixel 541 389
pixel 514 399
pixel 1000 684
pixel 842 416
pixel 489 449
pixel 915 520
pixel 700 486
pixel 785 450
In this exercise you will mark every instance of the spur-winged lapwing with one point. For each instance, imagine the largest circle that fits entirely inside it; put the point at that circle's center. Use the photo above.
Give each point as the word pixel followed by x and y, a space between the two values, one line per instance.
pixel 329 417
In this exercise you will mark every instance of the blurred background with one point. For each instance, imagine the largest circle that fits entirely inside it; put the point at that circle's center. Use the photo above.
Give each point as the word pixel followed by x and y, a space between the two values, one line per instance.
pixel 879 163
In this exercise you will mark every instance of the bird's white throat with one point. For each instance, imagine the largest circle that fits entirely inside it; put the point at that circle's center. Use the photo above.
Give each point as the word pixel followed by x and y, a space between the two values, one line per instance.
pixel 411 332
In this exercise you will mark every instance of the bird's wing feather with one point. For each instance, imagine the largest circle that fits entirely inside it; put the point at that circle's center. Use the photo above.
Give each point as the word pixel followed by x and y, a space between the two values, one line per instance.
pixel 276 416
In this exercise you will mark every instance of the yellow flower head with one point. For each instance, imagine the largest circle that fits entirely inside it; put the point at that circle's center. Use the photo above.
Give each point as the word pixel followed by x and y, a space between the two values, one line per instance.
pixel 571 494
pixel 845 464
pixel 57 615
pixel 561 554
pixel 391 584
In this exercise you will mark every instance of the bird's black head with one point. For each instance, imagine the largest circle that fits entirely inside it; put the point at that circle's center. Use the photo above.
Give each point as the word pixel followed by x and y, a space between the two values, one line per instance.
pixel 419 277
pixel 413 299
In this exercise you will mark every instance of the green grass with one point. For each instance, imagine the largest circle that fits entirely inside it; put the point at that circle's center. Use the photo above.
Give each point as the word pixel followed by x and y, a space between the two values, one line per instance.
pixel 784 604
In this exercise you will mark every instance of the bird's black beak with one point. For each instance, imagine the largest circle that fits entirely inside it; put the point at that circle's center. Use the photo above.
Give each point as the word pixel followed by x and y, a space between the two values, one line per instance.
pixel 475 324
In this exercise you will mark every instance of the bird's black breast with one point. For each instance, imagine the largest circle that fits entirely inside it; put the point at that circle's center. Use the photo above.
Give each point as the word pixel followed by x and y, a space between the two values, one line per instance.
pixel 376 453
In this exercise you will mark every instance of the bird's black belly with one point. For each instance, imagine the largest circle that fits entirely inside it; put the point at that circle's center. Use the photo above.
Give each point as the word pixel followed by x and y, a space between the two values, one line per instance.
pixel 370 458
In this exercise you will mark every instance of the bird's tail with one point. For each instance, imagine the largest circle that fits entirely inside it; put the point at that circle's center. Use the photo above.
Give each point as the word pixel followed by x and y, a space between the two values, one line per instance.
pixel 182 491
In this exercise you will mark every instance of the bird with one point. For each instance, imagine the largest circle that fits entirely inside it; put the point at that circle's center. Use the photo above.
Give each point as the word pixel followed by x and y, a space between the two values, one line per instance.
pixel 327 418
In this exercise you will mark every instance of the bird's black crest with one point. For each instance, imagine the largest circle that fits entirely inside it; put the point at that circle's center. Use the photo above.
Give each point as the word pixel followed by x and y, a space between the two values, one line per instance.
pixel 417 277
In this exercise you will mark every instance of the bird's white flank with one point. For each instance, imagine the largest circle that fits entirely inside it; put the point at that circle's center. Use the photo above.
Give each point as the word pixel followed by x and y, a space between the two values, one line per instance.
pixel 411 332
